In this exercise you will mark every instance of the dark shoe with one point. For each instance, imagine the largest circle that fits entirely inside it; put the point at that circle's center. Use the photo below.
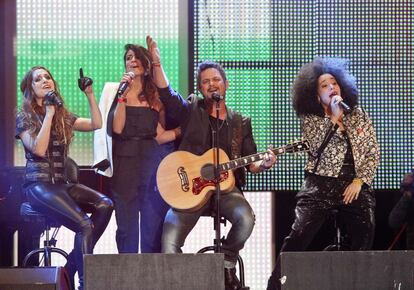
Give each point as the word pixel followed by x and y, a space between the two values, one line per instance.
pixel 71 268
pixel 273 284
pixel 231 280
pixel 80 282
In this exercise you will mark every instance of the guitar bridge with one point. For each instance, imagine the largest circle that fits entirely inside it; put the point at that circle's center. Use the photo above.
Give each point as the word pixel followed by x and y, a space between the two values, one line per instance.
pixel 199 183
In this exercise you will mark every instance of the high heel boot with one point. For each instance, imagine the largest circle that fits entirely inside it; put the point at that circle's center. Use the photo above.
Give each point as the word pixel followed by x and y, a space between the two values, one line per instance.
pixel 71 269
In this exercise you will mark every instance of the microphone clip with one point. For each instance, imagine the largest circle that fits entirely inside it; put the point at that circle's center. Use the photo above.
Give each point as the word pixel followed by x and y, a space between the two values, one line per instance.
pixel 216 97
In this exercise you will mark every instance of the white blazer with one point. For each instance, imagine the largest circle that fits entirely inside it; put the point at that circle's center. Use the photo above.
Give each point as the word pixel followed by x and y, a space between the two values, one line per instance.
pixel 102 142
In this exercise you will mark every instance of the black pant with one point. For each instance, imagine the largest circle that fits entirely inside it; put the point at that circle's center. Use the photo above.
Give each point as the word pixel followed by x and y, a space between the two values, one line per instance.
pixel 68 205
pixel 139 208
pixel 317 197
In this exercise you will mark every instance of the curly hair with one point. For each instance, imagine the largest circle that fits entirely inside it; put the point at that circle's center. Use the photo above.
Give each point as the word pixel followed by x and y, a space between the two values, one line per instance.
pixel 149 91
pixel 30 110
pixel 304 91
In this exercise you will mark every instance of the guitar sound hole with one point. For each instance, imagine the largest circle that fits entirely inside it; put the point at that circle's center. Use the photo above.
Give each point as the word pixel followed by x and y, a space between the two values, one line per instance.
pixel 207 171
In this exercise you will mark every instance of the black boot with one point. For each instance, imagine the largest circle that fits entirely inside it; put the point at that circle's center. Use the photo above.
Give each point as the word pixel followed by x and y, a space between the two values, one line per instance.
pixel 273 284
pixel 80 282
pixel 231 280
pixel 80 276
pixel 79 257
pixel 71 269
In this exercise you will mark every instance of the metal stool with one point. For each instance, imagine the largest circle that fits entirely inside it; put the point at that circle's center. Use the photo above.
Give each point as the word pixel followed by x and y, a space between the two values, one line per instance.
pixel 338 244
pixel 49 244
pixel 239 258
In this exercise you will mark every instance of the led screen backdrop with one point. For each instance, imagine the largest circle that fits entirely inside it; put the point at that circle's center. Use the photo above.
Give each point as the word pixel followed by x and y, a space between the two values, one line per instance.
pixel 262 45
pixel 66 35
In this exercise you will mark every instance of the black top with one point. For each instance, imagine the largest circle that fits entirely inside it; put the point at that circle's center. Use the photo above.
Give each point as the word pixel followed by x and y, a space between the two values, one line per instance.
pixel 49 168
pixel 347 171
pixel 140 122
pixel 222 133
pixel 140 130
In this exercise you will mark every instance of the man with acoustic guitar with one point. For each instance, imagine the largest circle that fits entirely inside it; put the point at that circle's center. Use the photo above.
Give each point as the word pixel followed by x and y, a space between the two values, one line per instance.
pixel 197 118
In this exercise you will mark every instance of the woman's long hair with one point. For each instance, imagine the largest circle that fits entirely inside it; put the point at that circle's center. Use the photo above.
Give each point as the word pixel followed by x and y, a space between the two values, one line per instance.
pixel 32 112
pixel 304 91
pixel 149 89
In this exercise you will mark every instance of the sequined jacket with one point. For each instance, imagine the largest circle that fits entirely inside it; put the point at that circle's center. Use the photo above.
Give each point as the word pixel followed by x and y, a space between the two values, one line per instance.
pixel 361 134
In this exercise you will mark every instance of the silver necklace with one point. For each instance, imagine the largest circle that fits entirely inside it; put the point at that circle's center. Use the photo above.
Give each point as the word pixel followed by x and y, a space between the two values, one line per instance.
pixel 221 125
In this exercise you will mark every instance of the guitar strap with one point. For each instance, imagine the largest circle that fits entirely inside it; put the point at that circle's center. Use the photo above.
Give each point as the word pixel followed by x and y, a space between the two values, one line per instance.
pixel 328 136
pixel 237 137
pixel 236 147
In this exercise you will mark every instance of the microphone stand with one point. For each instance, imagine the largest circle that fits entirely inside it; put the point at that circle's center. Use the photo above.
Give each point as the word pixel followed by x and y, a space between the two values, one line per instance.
pixel 217 218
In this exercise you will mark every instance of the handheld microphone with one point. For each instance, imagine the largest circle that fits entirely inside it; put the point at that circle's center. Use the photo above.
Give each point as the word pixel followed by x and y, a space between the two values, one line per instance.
pixel 123 86
pixel 216 97
pixel 51 98
pixel 345 107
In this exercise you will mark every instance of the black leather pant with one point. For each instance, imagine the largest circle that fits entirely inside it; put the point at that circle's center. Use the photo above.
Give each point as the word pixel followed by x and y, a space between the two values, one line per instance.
pixel 317 197
pixel 68 205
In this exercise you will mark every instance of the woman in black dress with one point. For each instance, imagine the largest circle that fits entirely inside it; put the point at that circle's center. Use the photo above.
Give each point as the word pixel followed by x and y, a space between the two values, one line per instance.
pixel 138 127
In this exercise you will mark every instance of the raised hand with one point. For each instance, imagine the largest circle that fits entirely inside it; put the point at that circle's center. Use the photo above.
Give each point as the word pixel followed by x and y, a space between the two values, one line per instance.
pixel 84 83
pixel 153 49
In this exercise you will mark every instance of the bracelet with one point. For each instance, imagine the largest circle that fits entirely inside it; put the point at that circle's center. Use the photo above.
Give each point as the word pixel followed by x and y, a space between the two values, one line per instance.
pixel 122 100
pixel 177 132
pixel 156 64
pixel 358 180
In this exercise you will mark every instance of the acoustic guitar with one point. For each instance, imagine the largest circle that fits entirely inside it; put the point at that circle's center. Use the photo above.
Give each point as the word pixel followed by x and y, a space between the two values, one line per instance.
pixel 186 181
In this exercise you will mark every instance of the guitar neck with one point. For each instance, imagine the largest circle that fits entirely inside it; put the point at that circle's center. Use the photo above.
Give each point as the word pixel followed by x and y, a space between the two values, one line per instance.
pixel 244 161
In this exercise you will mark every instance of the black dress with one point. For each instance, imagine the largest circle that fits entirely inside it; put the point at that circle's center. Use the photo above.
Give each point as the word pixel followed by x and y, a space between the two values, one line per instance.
pixel 138 205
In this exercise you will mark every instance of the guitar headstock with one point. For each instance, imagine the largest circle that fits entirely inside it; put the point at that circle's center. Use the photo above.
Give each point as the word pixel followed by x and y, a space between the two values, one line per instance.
pixel 297 146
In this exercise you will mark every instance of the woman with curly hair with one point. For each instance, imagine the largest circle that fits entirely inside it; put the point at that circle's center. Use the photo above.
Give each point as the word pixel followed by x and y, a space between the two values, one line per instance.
pixel 46 128
pixel 342 161
pixel 136 123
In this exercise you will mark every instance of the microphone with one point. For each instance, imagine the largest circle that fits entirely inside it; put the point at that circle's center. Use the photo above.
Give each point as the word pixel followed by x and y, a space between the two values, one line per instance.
pixel 345 107
pixel 51 98
pixel 123 86
pixel 216 97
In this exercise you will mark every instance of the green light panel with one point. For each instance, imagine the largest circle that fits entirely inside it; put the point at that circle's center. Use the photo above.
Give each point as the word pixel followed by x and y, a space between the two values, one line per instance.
pixel 263 44
pixel 66 35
